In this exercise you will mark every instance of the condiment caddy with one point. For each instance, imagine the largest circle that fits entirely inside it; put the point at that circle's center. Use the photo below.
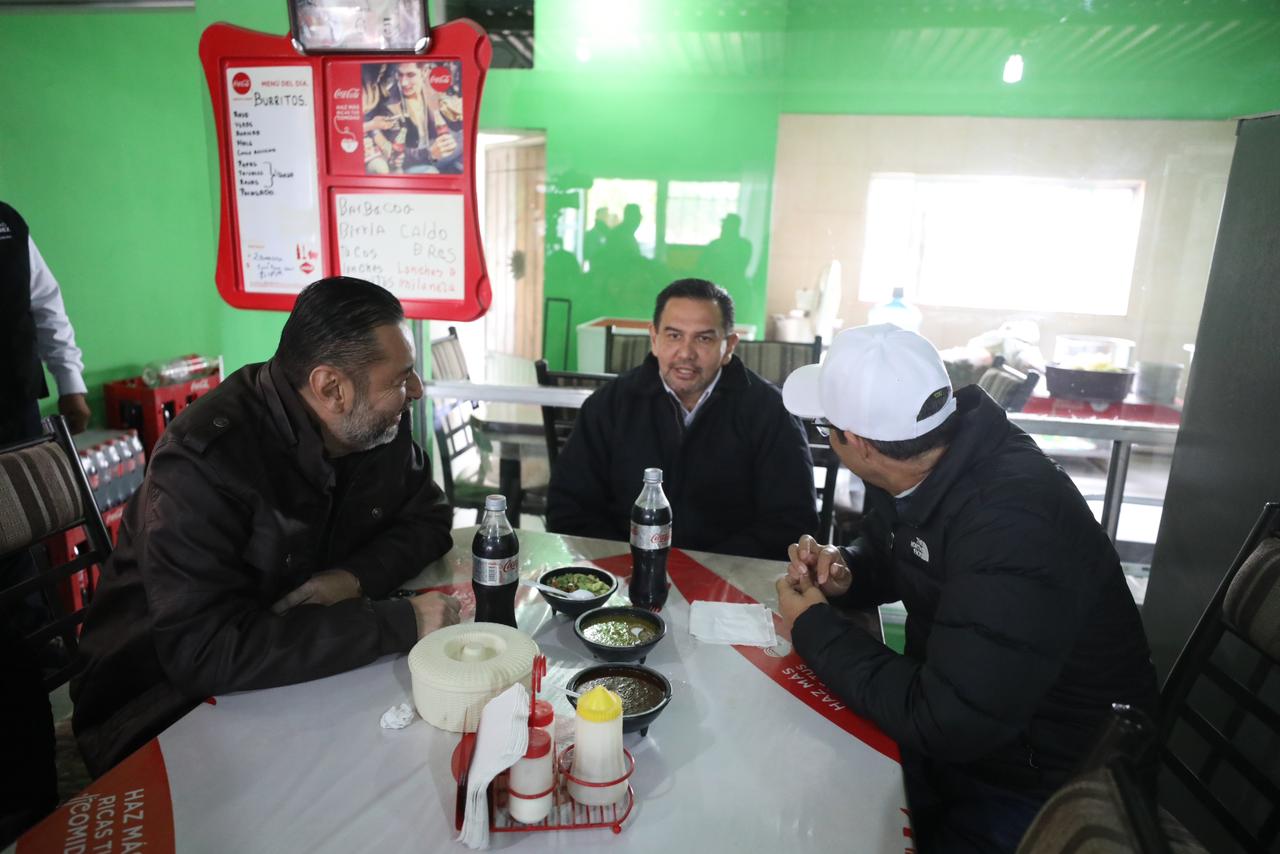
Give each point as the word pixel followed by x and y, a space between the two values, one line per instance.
pixel 565 813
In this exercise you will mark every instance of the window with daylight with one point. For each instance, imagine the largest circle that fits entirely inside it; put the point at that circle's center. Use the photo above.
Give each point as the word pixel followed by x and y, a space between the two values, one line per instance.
pixel 1005 243
pixel 696 208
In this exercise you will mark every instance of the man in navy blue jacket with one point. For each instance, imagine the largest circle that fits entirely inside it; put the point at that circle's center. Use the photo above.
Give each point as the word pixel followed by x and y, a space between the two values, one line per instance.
pixel 1021 631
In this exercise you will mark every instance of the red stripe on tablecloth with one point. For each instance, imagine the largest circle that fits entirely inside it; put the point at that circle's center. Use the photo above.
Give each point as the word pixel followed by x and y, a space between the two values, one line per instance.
pixel 695 581
pixel 129 807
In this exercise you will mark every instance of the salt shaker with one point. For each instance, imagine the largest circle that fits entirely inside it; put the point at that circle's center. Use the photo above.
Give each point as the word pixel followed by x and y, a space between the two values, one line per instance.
pixel 530 784
pixel 597 754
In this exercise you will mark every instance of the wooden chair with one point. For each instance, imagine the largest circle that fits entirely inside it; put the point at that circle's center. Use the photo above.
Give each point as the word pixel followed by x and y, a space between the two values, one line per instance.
pixel 1220 706
pixel 623 351
pixel 44 491
pixel 557 421
pixel 775 360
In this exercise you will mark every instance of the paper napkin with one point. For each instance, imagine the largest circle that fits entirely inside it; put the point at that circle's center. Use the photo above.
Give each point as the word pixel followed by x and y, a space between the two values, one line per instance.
pixel 722 622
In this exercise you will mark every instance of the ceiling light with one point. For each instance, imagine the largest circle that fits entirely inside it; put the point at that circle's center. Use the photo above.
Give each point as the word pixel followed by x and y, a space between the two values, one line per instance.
pixel 1013 68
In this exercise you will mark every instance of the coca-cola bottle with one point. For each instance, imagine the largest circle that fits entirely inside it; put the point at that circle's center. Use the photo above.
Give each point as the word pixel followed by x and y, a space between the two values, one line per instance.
pixel 650 543
pixel 495 565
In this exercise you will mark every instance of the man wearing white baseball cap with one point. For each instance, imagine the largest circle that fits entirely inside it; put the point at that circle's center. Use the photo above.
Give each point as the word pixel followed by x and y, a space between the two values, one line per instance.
pixel 1021 631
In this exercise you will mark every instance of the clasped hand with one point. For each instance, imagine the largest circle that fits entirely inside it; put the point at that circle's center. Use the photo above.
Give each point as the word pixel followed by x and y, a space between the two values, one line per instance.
pixel 814 572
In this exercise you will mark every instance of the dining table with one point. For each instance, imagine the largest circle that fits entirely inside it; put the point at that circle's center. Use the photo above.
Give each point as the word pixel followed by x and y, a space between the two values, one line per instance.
pixel 752 753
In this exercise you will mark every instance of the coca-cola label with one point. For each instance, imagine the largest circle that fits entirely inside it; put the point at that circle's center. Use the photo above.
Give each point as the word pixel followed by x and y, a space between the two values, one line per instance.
pixel 349 94
pixel 495 571
pixel 651 537
pixel 440 78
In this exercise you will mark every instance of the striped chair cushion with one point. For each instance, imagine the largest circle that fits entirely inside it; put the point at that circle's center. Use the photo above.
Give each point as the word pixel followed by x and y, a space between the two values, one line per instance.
pixel 38 496
pixel 625 352
pixel 1087 816
pixel 775 360
pixel 1252 605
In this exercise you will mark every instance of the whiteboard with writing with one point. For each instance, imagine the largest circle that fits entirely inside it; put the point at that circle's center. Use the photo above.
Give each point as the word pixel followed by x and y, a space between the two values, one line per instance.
pixel 273 145
pixel 410 243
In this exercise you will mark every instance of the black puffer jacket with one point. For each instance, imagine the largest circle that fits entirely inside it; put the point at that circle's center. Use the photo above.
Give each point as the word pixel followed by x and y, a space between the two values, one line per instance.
pixel 739 479
pixel 1021 630
pixel 239 507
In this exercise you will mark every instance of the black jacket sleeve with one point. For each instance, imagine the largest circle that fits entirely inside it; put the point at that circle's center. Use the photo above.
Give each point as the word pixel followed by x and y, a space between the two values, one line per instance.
pixel 578 497
pixel 214 631
pixel 872 583
pixel 418 535
pixel 785 500
pixel 1004 627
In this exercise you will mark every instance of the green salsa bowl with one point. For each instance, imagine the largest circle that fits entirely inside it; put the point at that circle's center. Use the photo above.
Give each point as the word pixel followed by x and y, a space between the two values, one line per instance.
pixel 576 607
pixel 620 633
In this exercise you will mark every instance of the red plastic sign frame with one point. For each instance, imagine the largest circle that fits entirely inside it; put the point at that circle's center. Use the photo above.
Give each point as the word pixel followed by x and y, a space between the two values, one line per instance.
pixel 423 265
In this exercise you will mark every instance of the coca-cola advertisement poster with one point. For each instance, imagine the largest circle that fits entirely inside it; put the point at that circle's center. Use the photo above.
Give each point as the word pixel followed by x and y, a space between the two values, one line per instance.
pixel 412 118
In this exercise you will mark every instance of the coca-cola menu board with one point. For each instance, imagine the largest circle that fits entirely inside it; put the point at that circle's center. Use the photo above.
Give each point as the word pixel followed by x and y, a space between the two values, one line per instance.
pixel 359 165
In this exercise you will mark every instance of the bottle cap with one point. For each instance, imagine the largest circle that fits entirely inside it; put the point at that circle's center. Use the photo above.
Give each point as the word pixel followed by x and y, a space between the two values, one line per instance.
pixel 542 714
pixel 495 502
pixel 539 744
pixel 653 475
pixel 599 705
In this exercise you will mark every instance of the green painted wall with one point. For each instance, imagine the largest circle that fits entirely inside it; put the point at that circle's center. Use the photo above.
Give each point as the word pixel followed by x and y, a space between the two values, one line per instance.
pixel 100 146
pixel 105 143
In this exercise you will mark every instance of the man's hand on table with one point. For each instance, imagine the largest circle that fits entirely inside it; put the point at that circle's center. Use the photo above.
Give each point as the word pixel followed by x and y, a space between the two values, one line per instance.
pixel 323 588
pixel 434 611
pixel 821 565
pixel 795 596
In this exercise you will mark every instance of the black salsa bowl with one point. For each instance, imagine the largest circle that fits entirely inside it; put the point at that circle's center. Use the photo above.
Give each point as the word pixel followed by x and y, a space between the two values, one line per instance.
pixel 650 682
pixel 624 622
pixel 577 607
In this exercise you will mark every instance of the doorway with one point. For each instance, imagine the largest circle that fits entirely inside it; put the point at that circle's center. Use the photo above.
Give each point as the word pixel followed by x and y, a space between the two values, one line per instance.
pixel 511 170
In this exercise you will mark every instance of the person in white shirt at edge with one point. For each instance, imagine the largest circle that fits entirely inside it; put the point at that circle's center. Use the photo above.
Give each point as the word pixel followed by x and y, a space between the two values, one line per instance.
pixel 34 334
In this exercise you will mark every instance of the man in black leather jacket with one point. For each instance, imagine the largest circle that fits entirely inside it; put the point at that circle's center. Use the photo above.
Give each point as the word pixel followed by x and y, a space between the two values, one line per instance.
pixel 277 511
pixel 1020 627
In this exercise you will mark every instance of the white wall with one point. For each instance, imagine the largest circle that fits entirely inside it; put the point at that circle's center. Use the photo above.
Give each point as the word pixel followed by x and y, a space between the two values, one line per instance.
pixel 824 165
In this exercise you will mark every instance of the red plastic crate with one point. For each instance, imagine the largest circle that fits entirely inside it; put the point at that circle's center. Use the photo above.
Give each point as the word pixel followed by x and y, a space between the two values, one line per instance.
pixel 77 591
pixel 133 404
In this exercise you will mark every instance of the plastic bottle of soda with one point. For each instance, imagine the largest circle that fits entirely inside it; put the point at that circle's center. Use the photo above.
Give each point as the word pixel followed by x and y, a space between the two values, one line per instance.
pixel 495 565
pixel 90 472
pixel 178 370
pixel 650 543
pixel 116 462
pixel 139 454
pixel 105 493
pixel 130 466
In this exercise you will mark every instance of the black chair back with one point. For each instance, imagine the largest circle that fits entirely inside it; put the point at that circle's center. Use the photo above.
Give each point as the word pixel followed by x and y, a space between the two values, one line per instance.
pixel 557 421
pixel 623 351
pixel 44 491
pixel 1218 709
pixel 448 362
pixel 775 360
